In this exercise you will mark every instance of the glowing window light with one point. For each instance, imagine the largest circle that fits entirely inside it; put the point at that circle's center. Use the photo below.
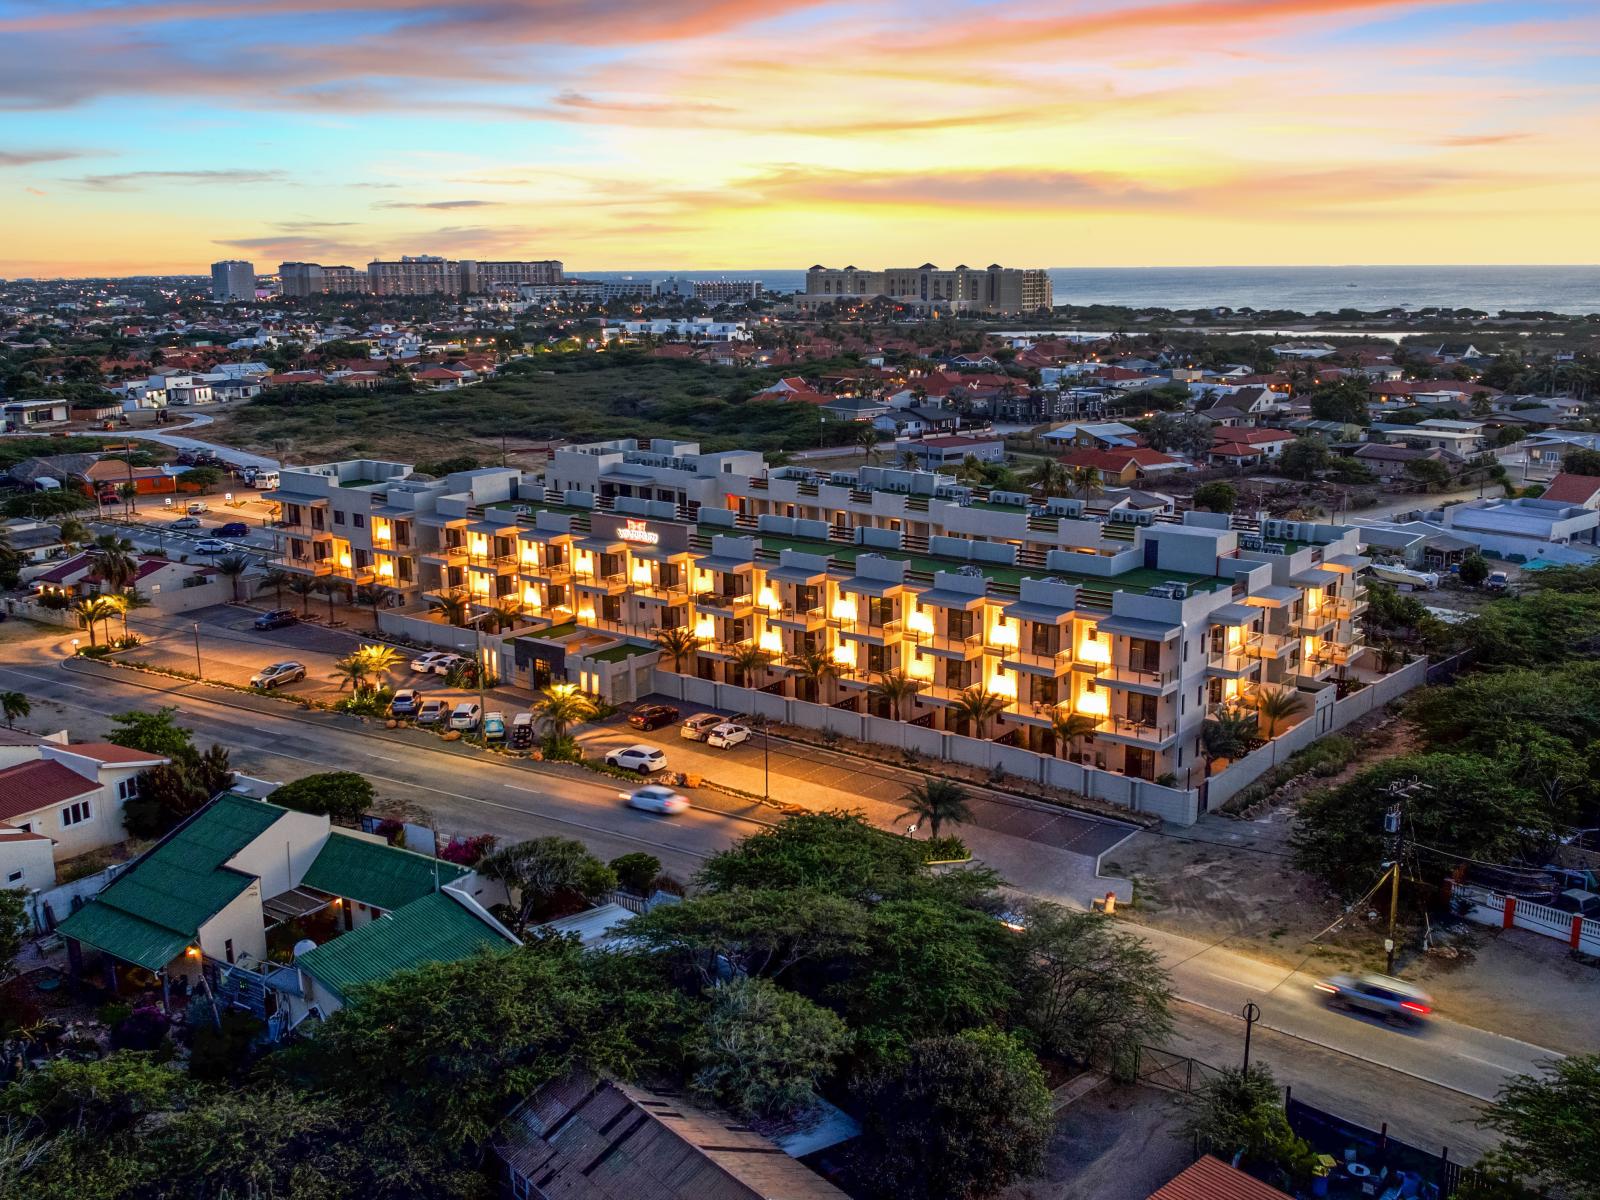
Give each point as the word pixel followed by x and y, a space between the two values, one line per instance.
pixel 530 596
pixel 768 599
pixel 1094 704
pixel 772 642
pixel 920 622
pixel 844 609
pixel 1003 634
pixel 641 573
pixel 1092 650
pixel 586 613
pixel 1002 684
pixel 921 668
pixel 845 654
pixel 705 628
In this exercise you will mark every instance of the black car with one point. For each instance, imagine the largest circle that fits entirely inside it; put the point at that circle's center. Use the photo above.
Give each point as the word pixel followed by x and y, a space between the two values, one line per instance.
pixel 652 716
pixel 231 529
pixel 276 619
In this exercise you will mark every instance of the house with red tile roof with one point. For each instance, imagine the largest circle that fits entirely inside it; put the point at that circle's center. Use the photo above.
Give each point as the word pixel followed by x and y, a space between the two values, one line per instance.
pixel 1121 467
pixel 1582 491
pixel 1233 447
pixel 60 801
pixel 169 586
pixel 1213 1179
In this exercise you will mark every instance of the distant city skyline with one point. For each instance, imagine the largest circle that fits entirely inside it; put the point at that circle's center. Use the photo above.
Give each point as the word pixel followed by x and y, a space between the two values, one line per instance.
pixel 698 135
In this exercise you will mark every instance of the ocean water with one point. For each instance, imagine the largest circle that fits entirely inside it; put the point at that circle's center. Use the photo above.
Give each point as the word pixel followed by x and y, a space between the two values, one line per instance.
pixel 1302 289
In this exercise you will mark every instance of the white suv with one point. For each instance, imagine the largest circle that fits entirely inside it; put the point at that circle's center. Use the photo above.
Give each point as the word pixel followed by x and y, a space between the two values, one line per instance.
pixel 644 759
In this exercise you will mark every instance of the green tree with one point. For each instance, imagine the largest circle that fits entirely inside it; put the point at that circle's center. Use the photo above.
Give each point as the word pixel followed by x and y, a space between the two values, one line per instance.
pixel 1344 400
pixel 835 852
pixel 938 802
pixel 866 440
pixel 1474 570
pixel 678 643
pixel 1227 734
pixel 304 586
pixel 1218 496
pixel 342 796
pixel 1431 473
pixel 171 792
pixel 1241 1110
pixel 978 706
pixel 1303 458
pixel 1537 627
pixel 115 560
pixel 204 478
pixel 968 1115
pixel 636 871
pixel 558 708
pixel 1581 462
pixel 750 665
pixel 232 567
pixel 544 870
pixel 452 607
pixel 897 689
pixel 93 611
pixel 14 925
pixel 763 1050
pixel 155 732
pixel 375 596
pixel 1278 704
pixel 1181 433
pixel 1091 992
pixel 1071 728
pixel 1547 1122
pixel 95 1099
pixel 14 705
pixel 817 670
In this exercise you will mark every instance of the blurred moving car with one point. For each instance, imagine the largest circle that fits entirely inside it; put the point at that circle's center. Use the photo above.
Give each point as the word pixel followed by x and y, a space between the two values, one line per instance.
pixel 652 716
pixel 1380 995
pixel 656 799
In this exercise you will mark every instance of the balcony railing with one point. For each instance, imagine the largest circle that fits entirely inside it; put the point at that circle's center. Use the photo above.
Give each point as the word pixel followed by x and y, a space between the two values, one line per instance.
pixel 889 629
pixel 961 645
pixel 492 560
pixel 1138 674
pixel 454 555
pixel 1236 659
pixel 1144 731
pixel 724 601
pixel 807 616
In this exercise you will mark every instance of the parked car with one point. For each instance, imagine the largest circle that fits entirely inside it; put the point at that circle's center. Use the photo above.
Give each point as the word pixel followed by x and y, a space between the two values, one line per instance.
pixel 432 711
pixel 697 726
pixel 186 523
pixel 276 619
pixel 652 716
pixel 278 674
pixel 405 702
pixel 110 498
pixel 1576 900
pixel 195 507
pixel 727 735
pixel 212 546
pixel 1497 581
pixel 657 799
pixel 1381 995
pixel 494 727
pixel 231 529
pixel 446 663
pixel 522 731
pixel 644 759
pixel 423 663
pixel 465 715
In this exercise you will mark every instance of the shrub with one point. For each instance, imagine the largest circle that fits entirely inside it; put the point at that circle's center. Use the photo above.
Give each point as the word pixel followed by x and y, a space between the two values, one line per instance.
pixel 637 872
pixel 468 852
pixel 342 796
pixel 946 848
pixel 222 1053
pixel 142 1029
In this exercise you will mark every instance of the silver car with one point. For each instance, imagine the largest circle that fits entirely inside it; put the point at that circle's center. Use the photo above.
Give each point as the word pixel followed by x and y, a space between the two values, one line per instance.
pixel 1380 995
pixel 278 674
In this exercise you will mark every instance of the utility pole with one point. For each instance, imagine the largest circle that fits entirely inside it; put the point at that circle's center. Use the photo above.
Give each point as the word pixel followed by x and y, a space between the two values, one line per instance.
pixel 198 669
pixel 1393 844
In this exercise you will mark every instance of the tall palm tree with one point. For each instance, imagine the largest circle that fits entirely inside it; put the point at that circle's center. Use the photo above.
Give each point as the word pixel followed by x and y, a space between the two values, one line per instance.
pixel 866 441
pixel 1049 478
pixel 897 689
pixel 232 568
pixel 980 706
pixel 561 706
pixel 380 660
pixel 817 668
pixel 374 596
pixel 452 606
pixel 352 669
pixel 751 663
pixel 304 586
pixel 1071 728
pixel 275 578
pixel 971 470
pixel 113 560
pixel 332 588
pixel 92 610
pixel 937 801
pixel 909 461
pixel 14 705
pixel 1278 704
pixel 1085 482
pixel 679 644
pixel 73 532
pixel 127 601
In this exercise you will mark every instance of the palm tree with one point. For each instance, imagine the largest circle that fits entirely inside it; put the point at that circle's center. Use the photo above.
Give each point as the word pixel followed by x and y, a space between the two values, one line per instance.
pixel 14 705
pixel 374 596
pixel 1085 482
pixel 275 578
pixel 73 532
pixel 452 606
pixel 979 706
pixel 331 588
pixel 1227 734
pixel 304 586
pixel 817 668
pixel 897 689
pixel 909 460
pixel 1070 728
pixel 971 470
pixel 560 707
pixel 506 611
pixel 679 644
pixel 352 669
pixel 1278 704
pixel 91 610
pixel 937 801
pixel 127 601
pixel 1049 478
pixel 380 660
pixel 866 441
pixel 232 568
pixel 113 560
pixel 751 662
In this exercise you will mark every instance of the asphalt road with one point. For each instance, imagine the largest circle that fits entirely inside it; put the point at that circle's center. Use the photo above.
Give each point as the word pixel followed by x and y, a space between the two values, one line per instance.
pixel 469 791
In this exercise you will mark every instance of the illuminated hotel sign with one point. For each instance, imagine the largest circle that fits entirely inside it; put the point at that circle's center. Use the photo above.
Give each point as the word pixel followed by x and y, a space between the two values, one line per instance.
pixel 638 531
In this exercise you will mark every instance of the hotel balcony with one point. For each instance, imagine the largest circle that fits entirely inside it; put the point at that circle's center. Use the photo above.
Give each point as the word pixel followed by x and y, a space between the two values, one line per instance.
pixel 446 556
pixel 789 617
pixel 1314 621
pixel 1143 680
pixel 1058 663
pixel 725 604
pixel 678 593
pixel 889 631
pixel 498 564
pixel 545 573
pixel 1274 645
pixel 1233 662
pixel 613 584
pixel 1142 733
pixel 302 564
pixel 954 647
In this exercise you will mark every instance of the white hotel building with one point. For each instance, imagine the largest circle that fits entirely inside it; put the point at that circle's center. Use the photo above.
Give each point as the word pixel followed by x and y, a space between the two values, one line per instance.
pixel 1142 624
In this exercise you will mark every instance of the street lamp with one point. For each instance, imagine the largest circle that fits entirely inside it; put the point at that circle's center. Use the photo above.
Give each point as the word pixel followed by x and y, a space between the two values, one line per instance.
pixel 74 646
pixel 199 670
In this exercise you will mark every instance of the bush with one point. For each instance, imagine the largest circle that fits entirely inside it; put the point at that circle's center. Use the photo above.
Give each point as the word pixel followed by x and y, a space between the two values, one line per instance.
pixel 342 796
pixel 468 852
pixel 946 848
pixel 142 1029
pixel 637 872
pixel 225 1053
pixel 368 704
pixel 763 1050
pixel 1218 496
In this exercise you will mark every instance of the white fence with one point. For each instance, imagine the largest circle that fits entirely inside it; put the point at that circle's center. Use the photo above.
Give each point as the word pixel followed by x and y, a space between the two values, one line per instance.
pixel 1327 716
pixel 1508 912
pixel 1138 795
pixel 49 908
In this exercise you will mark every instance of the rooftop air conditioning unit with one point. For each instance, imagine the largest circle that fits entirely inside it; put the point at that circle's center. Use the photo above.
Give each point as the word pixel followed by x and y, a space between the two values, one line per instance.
pixel 1178 591
pixel 1163 590
pixel 522 510
pixel 1276 548
pixel 1250 541
pixel 970 571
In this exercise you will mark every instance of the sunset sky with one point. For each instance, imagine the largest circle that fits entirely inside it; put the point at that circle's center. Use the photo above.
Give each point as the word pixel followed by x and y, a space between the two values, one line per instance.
pixel 158 136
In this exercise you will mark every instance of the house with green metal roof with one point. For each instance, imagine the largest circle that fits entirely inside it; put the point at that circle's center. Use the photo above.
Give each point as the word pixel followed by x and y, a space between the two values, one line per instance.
pixel 244 891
